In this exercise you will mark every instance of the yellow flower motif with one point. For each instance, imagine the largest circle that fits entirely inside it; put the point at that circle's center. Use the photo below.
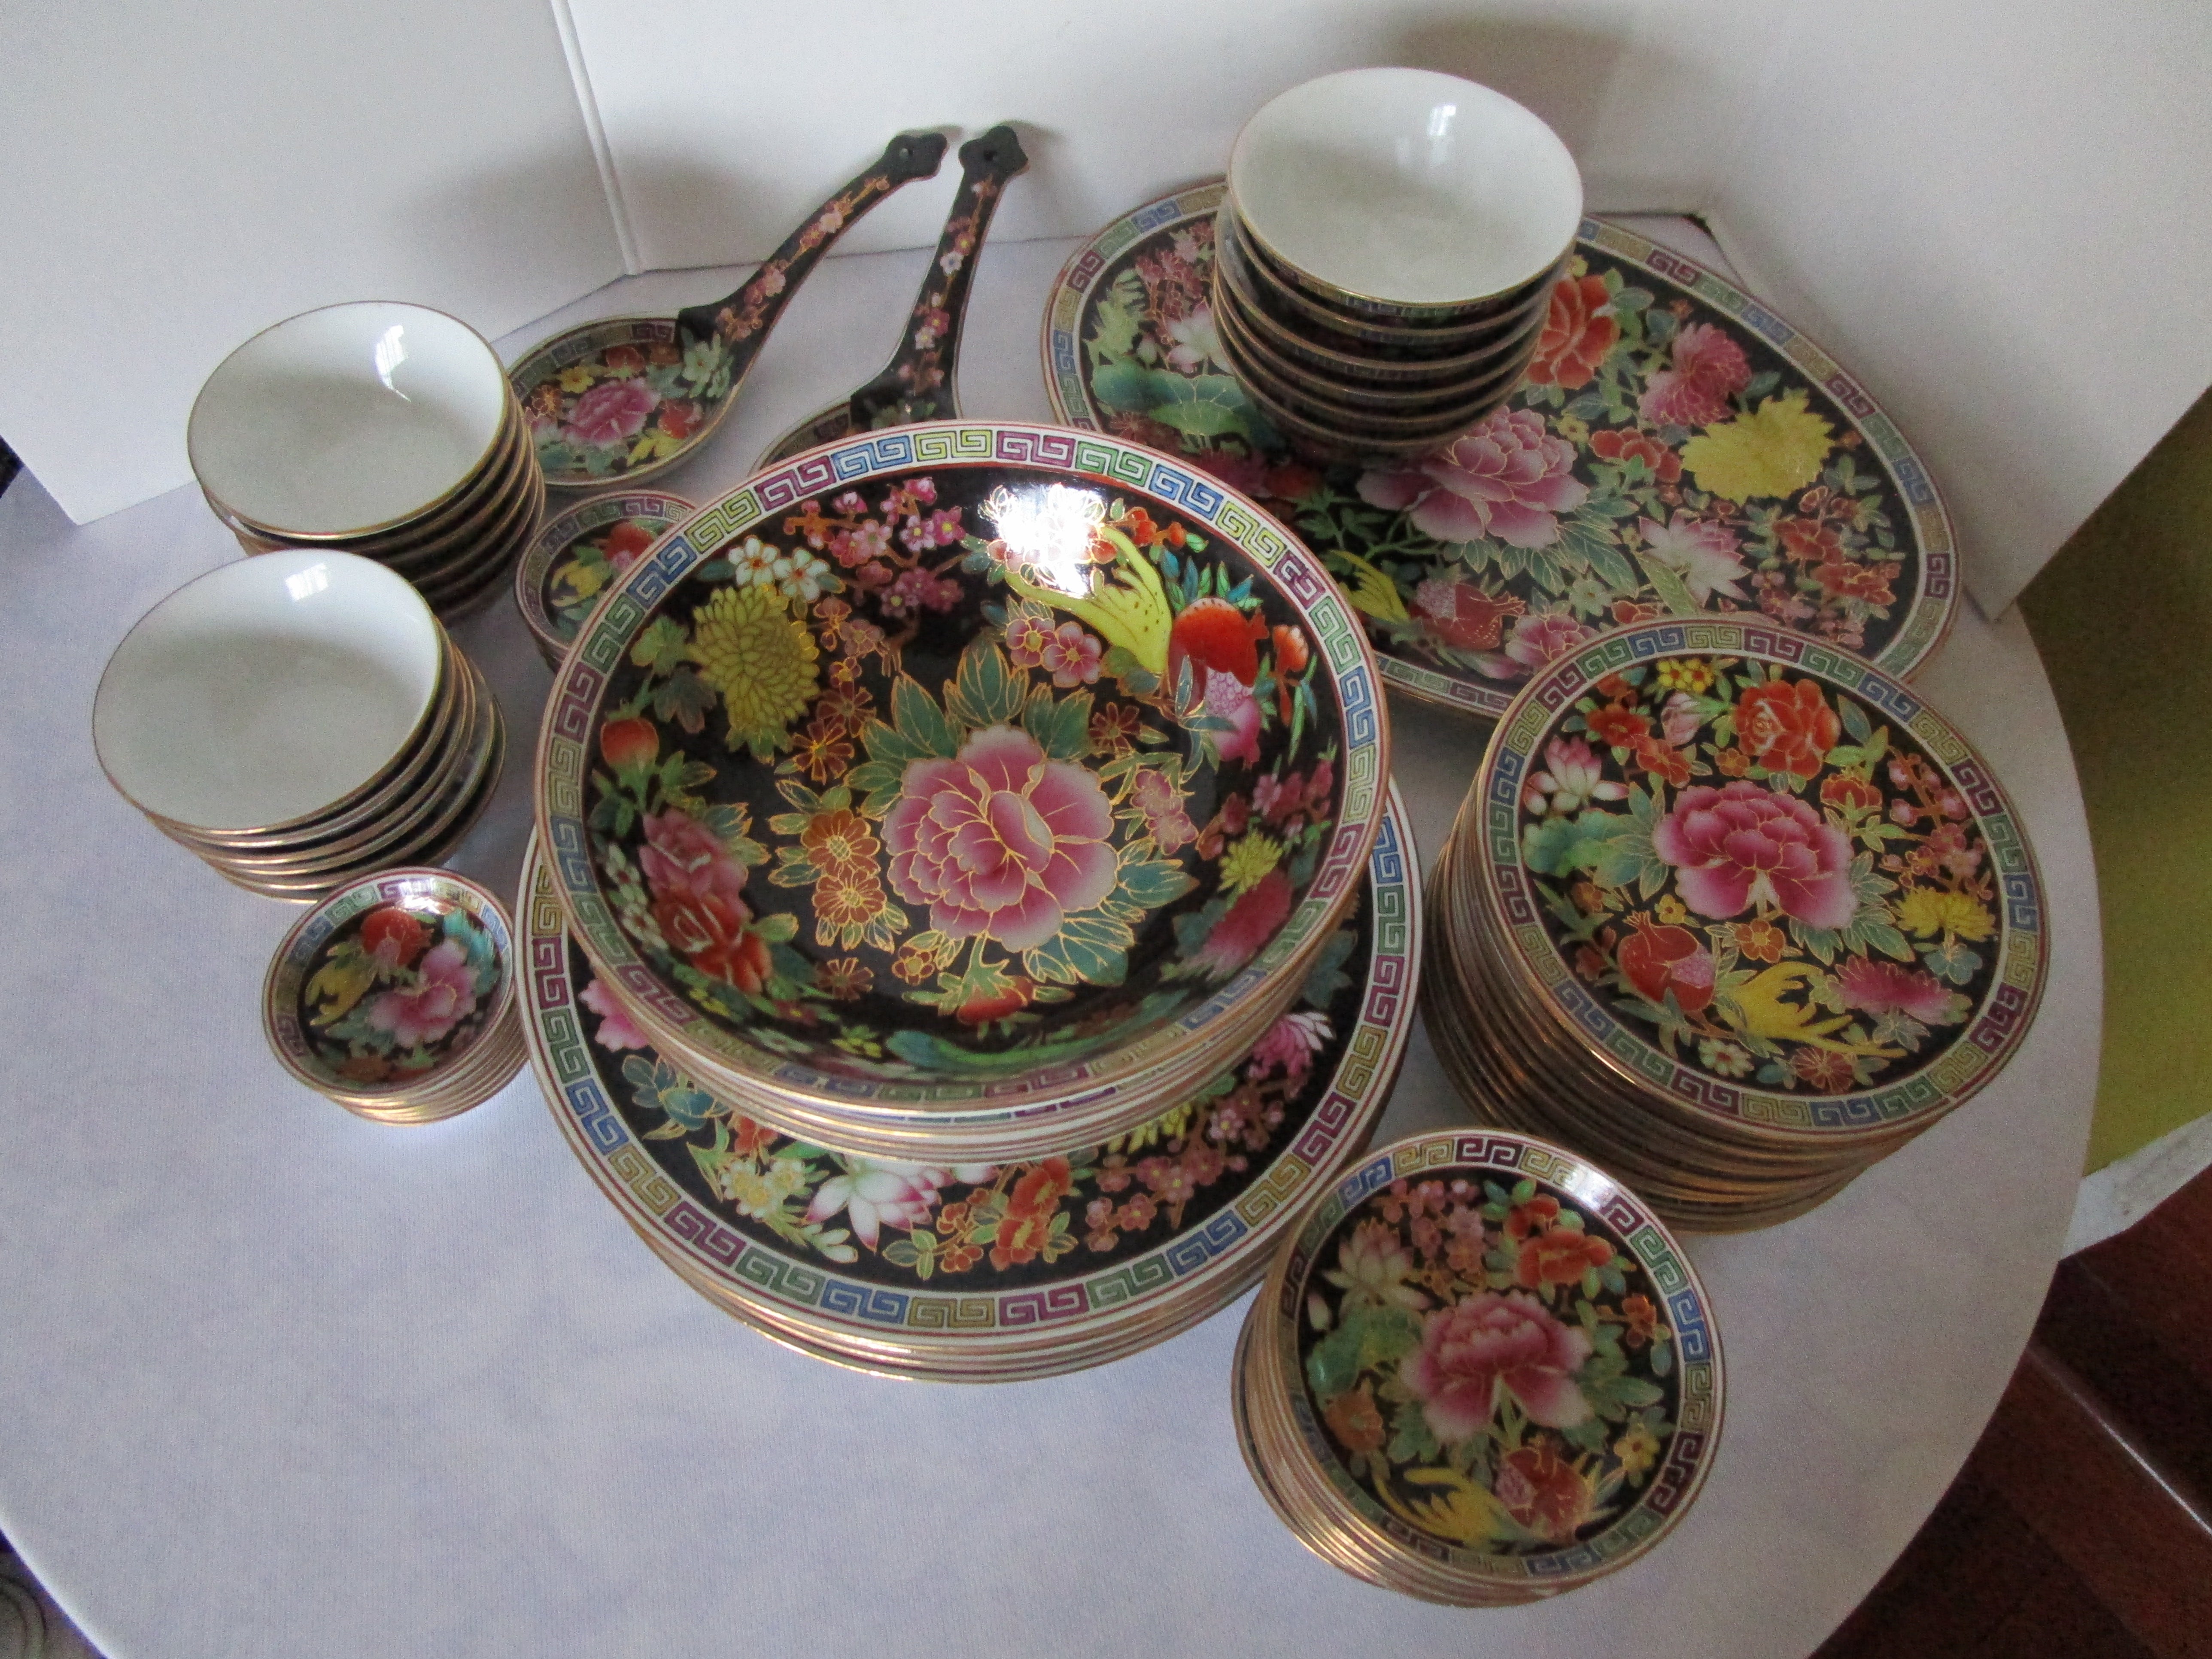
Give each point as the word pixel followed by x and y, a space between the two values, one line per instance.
pixel 1248 862
pixel 1575 430
pixel 1925 912
pixel 1691 674
pixel 751 649
pixel 1774 451
pixel 1637 1450
pixel 1671 909
pixel 755 1195
pixel 578 379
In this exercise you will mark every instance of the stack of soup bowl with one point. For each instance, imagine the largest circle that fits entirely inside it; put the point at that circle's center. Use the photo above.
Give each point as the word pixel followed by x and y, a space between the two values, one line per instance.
pixel 384 430
pixel 1385 256
pixel 298 720
pixel 1004 841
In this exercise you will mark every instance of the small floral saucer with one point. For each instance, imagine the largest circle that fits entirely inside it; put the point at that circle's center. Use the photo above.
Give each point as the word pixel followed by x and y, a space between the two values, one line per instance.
pixel 577 554
pixel 1675 449
pixel 396 996
pixel 976 1265
pixel 962 759
pixel 1501 1367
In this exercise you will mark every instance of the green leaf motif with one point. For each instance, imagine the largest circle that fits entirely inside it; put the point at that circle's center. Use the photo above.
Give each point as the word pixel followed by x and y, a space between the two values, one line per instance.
pixel 1090 949
pixel 985 690
pixel 920 722
pixel 1366 1336
pixel 1062 727
pixel 1151 883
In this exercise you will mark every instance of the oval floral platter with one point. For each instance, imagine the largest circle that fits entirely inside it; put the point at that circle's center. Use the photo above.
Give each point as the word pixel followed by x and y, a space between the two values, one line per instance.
pixel 961 759
pixel 1499 1359
pixel 576 555
pixel 968 1255
pixel 1675 449
pixel 1764 877
pixel 388 982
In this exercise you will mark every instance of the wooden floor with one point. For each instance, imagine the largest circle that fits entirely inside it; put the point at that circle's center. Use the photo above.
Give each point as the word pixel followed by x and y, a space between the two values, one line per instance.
pixel 2082 1526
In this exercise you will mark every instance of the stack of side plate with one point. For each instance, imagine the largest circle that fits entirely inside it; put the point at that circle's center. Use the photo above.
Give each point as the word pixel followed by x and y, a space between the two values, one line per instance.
pixel 396 997
pixel 384 430
pixel 1479 1372
pixel 982 1272
pixel 1735 915
pixel 298 721
pixel 963 793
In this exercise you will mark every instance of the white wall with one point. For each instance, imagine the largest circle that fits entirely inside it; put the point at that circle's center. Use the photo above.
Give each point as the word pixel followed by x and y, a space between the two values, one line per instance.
pixel 719 144
pixel 174 177
pixel 2000 216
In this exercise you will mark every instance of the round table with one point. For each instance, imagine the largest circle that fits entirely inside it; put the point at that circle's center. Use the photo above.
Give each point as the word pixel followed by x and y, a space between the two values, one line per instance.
pixel 280 1381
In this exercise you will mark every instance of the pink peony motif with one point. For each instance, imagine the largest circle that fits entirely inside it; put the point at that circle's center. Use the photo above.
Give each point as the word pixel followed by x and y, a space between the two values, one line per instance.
pixel 874 1195
pixel 1250 924
pixel 444 994
pixel 1709 368
pixel 1229 698
pixel 611 412
pixel 1289 1046
pixel 682 859
pixel 1505 477
pixel 1537 639
pixel 616 1029
pixel 1889 987
pixel 1475 1349
pixel 999 841
pixel 1743 844
pixel 1164 814
pixel 1572 777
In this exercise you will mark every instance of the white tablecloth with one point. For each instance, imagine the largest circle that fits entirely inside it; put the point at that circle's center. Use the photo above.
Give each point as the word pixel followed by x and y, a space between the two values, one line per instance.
pixel 276 1380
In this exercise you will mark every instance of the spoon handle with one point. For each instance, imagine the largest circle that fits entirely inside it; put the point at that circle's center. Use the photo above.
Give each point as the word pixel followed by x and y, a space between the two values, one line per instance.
pixel 743 319
pixel 919 382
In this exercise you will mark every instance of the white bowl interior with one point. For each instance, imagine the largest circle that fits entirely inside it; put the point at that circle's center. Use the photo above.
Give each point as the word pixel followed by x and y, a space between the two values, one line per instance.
pixel 1406 185
pixel 347 418
pixel 266 689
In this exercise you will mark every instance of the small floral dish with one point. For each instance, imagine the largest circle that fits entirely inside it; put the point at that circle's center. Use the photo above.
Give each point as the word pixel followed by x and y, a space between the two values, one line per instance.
pixel 1151 1231
pixel 577 555
pixel 1763 877
pixel 397 990
pixel 1503 1367
pixel 1405 194
pixel 962 758
pixel 1673 449
pixel 619 400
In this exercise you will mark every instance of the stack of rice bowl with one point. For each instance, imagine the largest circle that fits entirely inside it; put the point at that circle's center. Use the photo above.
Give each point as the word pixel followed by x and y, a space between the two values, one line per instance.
pixel 383 430
pixel 1479 1372
pixel 1735 915
pixel 1384 259
pixel 1008 843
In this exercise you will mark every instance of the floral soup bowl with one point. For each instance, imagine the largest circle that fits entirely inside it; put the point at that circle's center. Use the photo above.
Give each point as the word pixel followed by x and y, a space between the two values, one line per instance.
pixel 961 759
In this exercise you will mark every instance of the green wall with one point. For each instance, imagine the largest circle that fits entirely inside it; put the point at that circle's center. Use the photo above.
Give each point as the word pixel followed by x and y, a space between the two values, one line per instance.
pixel 2123 618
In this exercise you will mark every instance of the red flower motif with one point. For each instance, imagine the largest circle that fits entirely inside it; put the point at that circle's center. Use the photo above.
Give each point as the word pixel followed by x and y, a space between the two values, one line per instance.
pixel 1542 1490
pixel 1888 988
pixel 1220 638
pixel 1619 727
pixel 679 417
pixel 1786 726
pixel 611 412
pixel 1560 1256
pixel 1538 1215
pixel 1845 580
pixel 1830 1073
pixel 1846 793
pixel 709 930
pixel 1741 844
pixel 1250 922
pixel 1579 330
pixel 1628 444
pixel 1662 761
pixel 625 542
pixel 1810 541
pixel 632 742
pixel 982 1009
pixel 393 937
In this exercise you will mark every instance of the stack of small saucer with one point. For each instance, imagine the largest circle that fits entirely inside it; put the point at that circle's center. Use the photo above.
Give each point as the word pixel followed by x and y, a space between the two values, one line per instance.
pixel 1480 1372
pixel 396 997
pixel 576 554
pixel 983 1273
pixel 1735 915
pixel 380 429
pixel 298 720
pixel 1385 256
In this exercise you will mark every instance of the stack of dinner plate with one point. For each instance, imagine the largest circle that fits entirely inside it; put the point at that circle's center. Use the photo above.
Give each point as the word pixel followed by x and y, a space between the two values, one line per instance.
pixel 380 429
pixel 299 720
pixel 395 997
pixel 980 1272
pixel 1479 1372
pixel 1385 256
pixel 1735 915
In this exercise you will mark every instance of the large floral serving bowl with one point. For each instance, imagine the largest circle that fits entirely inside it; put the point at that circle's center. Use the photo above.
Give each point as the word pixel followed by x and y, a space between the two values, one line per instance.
pixel 961 761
